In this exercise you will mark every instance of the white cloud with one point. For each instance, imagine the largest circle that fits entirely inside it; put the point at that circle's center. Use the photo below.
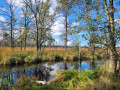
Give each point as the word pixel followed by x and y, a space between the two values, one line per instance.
pixel 75 24
pixel 3 9
pixel 2 19
pixel 16 2
pixel 20 4
pixel 53 6
pixel 58 42
pixel 58 27
pixel 117 21
pixel 69 43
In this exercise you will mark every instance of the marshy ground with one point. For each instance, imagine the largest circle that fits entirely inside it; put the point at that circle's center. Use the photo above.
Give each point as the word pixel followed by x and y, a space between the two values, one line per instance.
pixel 64 70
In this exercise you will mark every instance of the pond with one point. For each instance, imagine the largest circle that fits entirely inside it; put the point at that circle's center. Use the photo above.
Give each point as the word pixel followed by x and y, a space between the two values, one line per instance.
pixel 44 71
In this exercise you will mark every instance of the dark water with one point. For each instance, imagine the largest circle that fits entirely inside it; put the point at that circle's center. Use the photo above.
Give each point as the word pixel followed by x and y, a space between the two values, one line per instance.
pixel 44 71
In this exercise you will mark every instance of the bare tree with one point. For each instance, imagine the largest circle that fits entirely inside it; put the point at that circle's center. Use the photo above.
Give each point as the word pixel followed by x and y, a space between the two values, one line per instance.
pixel 9 13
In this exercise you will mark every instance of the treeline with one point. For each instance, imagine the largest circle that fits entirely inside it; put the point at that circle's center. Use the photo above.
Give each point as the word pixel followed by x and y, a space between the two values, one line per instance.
pixel 31 26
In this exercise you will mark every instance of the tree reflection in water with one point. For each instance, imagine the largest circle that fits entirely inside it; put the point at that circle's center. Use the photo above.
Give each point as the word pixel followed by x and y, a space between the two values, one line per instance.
pixel 65 66
pixel 9 75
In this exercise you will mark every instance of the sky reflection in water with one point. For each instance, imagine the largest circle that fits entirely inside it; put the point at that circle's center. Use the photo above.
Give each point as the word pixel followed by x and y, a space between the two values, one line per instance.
pixel 44 71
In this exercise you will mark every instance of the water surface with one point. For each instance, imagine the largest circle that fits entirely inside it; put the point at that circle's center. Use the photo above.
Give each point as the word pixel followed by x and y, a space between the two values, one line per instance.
pixel 44 71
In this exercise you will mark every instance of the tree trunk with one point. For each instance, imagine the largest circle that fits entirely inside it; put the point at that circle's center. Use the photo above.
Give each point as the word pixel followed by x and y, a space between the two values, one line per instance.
pixel 93 64
pixel 36 36
pixel 36 22
pixel 11 33
pixel 79 52
pixel 37 40
pixel 66 30
pixel 65 66
pixel 107 53
pixel 119 65
pixel 113 52
pixel 92 46
pixel 92 50
pixel 25 43
pixel 106 41
pixel 40 46
pixel 21 45
pixel 13 43
pixel 113 62
pixel 80 64
pixel 25 33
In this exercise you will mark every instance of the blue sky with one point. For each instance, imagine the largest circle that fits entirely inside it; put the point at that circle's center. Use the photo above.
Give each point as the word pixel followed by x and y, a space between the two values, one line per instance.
pixel 58 27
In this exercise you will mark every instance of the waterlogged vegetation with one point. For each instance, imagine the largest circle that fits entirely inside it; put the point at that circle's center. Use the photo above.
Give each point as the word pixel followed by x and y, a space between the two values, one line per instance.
pixel 84 80
pixel 72 79
pixel 21 77
pixel 17 57
pixel 98 78
pixel 71 73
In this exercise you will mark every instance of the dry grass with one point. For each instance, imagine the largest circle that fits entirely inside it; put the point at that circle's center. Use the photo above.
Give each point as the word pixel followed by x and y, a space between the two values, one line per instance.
pixel 8 56
pixel 4 51
pixel 70 54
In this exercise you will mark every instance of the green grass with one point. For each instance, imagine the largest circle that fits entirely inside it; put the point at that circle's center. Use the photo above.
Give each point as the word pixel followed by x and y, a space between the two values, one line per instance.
pixel 87 79
pixel 32 57
pixel 45 87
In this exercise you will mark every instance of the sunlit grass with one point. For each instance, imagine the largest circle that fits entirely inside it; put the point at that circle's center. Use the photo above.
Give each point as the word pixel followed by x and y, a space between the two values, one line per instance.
pixel 98 79
pixel 16 56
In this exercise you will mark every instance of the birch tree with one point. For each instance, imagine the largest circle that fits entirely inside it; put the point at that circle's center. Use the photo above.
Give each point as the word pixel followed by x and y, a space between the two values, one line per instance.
pixel 111 32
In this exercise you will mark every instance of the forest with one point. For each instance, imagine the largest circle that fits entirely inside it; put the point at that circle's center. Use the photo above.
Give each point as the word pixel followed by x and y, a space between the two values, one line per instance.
pixel 59 45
